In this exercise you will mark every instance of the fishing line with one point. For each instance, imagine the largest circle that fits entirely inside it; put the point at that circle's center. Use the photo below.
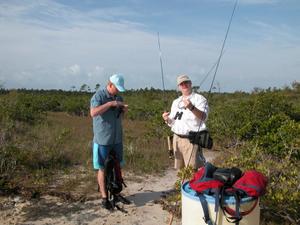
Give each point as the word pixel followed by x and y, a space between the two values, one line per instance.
pixel 208 73
pixel 223 45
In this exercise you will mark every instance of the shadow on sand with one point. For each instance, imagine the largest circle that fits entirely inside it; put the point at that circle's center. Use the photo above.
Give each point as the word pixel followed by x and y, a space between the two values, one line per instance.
pixel 142 198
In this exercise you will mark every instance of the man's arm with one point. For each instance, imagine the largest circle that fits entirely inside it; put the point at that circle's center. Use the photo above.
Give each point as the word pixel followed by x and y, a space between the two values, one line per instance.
pixel 95 111
pixel 197 112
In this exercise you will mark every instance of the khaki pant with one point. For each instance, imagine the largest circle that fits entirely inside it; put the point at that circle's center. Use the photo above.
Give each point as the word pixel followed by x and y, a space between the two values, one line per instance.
pixel 185 153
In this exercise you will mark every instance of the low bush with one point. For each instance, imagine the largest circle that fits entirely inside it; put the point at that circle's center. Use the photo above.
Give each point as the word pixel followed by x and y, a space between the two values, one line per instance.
pixel 283 173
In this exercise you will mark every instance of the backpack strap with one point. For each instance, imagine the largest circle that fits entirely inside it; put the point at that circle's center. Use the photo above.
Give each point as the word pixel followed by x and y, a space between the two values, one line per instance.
pixel 206 217
pixel 244 213
pixel 217 201
pixel 235 215
pixel 124 183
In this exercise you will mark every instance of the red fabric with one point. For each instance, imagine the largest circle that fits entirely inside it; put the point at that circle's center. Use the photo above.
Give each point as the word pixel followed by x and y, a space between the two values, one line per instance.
pixel 198 175
pixel 253 183
pixel 200 183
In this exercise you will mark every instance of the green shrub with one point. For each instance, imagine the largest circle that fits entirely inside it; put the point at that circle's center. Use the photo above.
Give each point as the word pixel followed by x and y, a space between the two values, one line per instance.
pixel 8 160
pixel 252 117
pixel 282 197
pixel 20 107
pixel 277 136
pixel 77 106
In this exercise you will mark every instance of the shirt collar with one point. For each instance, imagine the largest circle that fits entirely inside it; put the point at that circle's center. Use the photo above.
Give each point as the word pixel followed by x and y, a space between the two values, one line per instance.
pixel 108 95
pixel 189 96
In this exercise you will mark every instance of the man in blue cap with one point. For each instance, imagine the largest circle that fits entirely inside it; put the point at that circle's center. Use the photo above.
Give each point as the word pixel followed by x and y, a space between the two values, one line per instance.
pixel 106 109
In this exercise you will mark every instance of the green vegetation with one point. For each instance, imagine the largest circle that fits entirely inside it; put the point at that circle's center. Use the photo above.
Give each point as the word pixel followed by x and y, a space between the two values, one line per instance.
pixel 47 133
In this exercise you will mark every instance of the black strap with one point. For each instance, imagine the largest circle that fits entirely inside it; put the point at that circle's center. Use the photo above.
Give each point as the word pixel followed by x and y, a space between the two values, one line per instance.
pixel 233 218
pixel 206 217
pixel 242 213
pixel 217 199
pixel 217 203
pixel 124 183
pixel 114 204
pixel 237 208
pixel 182 136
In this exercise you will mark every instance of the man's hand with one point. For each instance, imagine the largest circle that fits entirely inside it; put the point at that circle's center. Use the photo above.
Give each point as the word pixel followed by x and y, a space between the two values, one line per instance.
pixel 187 103
pixel 165 116
pixel 125 108
pixel 117 104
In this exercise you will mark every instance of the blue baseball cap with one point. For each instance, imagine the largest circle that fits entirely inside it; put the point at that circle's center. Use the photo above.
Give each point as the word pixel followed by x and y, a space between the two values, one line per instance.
pixel 118 81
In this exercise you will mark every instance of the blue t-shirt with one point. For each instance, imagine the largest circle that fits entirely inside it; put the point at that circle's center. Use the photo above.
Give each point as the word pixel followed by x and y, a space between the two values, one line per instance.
pixel 107 127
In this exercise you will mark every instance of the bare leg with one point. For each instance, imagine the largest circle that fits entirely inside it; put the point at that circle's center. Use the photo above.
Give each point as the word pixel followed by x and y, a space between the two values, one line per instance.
pixel 101 182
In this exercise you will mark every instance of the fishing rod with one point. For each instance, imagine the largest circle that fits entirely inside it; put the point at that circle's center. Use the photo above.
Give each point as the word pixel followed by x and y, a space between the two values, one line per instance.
pixel 169 138
pixel 162 71
pixel 209 93
pixel 215 73
pixel 223 45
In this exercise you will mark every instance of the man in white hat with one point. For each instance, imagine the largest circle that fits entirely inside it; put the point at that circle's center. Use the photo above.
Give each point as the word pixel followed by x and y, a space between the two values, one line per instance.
pixel 106 107
pixel 188 113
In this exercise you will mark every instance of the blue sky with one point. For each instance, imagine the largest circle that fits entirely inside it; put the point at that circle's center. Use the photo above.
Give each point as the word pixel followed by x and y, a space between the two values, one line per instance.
pixel 59 44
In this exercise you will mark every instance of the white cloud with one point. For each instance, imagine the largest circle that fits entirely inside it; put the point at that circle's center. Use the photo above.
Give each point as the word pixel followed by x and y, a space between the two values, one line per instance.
pixel 74 69
pixel 95 72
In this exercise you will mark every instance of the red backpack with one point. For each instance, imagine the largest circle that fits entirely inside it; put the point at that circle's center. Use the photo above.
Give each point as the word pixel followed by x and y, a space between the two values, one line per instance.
pixel 252 184
pixel 203 181
pixel 213 181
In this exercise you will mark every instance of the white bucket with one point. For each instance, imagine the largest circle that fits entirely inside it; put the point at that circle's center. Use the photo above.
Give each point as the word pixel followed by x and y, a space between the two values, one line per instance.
pixel 192 212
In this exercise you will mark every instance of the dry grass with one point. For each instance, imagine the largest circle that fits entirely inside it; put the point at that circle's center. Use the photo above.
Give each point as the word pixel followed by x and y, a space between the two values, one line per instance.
pixel 55 156
pixel 142 154
pixel 80 138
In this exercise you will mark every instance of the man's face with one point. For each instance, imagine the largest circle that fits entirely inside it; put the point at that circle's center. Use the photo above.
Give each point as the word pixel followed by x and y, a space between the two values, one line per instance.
pixel 185 87
pixel 112 89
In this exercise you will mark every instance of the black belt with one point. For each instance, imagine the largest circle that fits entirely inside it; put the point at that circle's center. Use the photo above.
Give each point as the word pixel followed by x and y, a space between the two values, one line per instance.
pixel 182 136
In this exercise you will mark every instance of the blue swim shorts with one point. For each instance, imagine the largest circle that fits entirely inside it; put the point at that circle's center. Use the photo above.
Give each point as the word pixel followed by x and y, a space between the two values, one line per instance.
pixel 100 153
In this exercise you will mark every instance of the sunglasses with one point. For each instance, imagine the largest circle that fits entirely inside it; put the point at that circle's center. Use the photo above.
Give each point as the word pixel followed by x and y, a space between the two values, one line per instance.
pixel 185 83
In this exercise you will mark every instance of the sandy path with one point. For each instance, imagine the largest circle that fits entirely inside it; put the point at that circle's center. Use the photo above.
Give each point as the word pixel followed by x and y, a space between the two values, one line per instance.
pixel 52 210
